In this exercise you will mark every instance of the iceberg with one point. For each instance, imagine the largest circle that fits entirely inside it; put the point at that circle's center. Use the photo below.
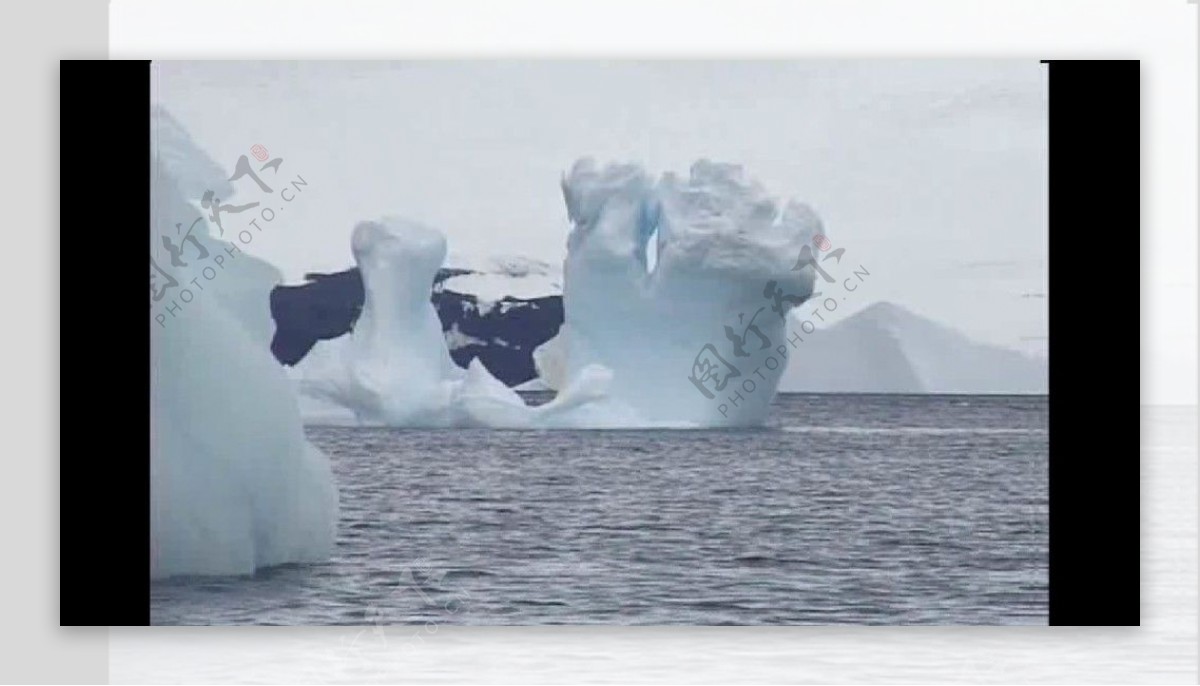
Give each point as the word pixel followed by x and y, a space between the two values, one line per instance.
pixel 657 276
pixel 666 278
pixel 394 367
pixel 234 484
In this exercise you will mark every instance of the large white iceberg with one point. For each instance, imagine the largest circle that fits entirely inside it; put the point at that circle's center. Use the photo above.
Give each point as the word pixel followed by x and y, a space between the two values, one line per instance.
pixel 669 285
pixel 394 367
pixel 234 483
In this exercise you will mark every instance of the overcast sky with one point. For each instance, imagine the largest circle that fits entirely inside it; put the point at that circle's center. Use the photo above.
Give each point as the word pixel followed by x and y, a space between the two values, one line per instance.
pixel 932 174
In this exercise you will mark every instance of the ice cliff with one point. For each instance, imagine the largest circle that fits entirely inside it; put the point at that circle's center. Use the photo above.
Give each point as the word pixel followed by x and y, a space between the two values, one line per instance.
pixel 234 483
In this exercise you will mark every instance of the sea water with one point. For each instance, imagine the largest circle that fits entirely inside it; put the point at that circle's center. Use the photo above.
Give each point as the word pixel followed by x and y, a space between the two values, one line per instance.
pixel 873 509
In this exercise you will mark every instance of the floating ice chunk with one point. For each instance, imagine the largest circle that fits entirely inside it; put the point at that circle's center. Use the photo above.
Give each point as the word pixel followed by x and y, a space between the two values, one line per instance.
pixel 234 484
pixel 718 240
pixel 394 368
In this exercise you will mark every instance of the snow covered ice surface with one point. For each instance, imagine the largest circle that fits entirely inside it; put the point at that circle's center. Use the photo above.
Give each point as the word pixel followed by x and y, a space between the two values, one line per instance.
pixel 655 271
pixel 493 278
pixel 235 485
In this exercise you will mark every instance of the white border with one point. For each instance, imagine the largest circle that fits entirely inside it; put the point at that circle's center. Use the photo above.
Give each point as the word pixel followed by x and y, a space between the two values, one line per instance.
pixel 1161 33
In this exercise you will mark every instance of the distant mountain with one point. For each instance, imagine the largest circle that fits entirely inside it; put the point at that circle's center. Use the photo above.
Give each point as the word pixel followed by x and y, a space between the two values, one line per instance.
pixel 501 330
pixel 888 349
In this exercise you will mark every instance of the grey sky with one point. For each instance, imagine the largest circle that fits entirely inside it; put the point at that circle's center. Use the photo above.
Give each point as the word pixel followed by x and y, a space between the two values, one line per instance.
pixel 930 173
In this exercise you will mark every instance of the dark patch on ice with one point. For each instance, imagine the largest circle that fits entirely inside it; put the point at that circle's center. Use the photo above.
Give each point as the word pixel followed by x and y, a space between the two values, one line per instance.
pixel 328 305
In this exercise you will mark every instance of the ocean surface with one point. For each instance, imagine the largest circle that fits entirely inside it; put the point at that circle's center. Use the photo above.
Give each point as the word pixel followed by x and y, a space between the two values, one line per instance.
pixel 850 509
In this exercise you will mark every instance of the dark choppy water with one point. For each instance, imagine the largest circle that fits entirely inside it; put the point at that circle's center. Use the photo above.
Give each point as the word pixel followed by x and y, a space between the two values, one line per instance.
pixel 845 509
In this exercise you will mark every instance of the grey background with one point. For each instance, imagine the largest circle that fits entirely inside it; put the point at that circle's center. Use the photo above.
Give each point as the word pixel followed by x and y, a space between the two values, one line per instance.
pixel 34 37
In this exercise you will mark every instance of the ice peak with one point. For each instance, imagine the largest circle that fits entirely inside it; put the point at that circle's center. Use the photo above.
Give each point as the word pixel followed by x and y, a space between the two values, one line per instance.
pixel 395 236
pixel 586 188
